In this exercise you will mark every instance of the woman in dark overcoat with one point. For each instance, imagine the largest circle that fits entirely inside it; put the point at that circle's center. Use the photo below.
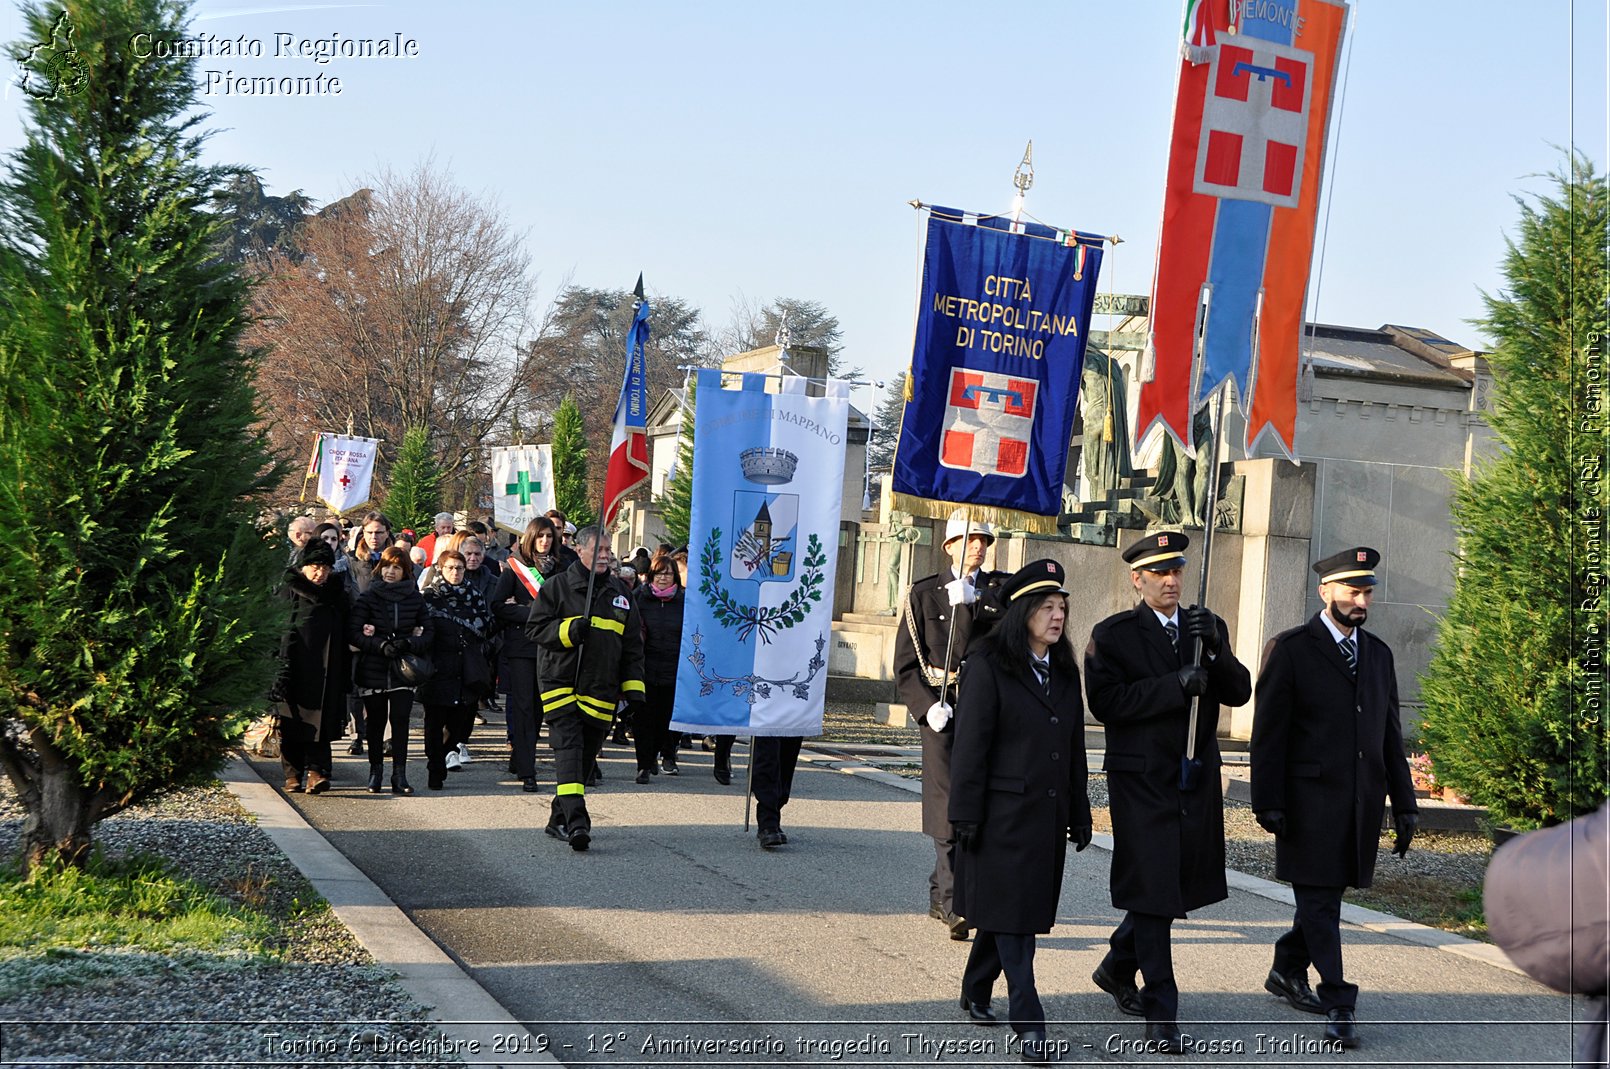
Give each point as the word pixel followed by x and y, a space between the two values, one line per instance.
pixel 311 690
pixel 1017 794
pixel 535 559
pixel 659 603
pixel 460 620
pixel 388 620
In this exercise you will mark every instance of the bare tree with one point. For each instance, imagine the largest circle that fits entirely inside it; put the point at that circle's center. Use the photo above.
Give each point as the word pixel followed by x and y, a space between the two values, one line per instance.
pixel 755 326
pixel 404 305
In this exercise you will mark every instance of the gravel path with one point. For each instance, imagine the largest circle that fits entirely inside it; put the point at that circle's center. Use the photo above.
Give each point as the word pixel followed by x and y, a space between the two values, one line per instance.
pixel 315 993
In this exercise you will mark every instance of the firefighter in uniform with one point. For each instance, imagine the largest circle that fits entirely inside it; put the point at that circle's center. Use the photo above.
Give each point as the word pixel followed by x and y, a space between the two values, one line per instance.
pixel 1327 748
pixel 968 597
pixel 591 660
pixel 1168 831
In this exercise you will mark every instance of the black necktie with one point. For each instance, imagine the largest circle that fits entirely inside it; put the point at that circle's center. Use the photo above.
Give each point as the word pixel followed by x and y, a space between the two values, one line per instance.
pixel 1173 630
pixel 1350 651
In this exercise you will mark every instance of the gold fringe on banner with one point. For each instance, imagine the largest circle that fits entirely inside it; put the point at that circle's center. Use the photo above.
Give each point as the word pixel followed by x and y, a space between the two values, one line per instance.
pixel 1008 519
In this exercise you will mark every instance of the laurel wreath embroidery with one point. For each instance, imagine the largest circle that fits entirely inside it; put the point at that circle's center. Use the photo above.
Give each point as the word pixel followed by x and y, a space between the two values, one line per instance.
pixel 753 688
pixel 750 619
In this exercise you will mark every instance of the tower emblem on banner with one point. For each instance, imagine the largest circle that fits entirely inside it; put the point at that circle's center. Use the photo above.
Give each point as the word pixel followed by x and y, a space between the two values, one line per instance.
pixel 762 547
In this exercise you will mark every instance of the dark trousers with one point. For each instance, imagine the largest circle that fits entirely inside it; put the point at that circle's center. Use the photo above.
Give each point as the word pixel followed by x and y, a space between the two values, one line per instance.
pixel 994 953
pixel 723 750
pixel 1316 939
pixel 393 707
pixel 771 773
pixel 300 751
pixel 1141 941
pixel 445 727
pixel 355 715
pixel 522 713
pixel 651 734
pixel 576 739
pixel 942 881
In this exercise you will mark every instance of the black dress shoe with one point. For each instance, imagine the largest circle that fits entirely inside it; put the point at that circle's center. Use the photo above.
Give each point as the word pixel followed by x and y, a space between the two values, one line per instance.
pixel 957 926
pixel 723 776
pixel 1163 1037
pixel 356 749
pixel 374 779
pixel 1295 990
pixel 1037 1050
pixel 580 840
pixel 436 781
pixel 642 775
pixel 1127 996
pixel 771 838
pixel 530 785
pixel 557 831
pixel 979 1012
pixel 1342 1027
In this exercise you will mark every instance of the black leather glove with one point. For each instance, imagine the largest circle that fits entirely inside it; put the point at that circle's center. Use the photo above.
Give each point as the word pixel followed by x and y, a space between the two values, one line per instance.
pixel 1193 677
pixel 1272 821
pixel 966 834
pixel 1200 623
pixel 394 647
pixel 1079 836
pixel 1404 824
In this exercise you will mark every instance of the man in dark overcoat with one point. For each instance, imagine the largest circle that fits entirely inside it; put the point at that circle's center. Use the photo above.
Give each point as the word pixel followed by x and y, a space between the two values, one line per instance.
pixel 1168 839
pixel 1327 748
pixel 1017 795
pixel 950 611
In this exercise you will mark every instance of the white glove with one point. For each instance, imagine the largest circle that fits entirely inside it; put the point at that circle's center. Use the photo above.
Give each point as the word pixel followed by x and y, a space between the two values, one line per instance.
pixel 938 715
pixel 961 592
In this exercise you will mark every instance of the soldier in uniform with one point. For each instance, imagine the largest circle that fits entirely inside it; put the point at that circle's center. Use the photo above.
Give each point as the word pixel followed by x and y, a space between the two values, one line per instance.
pixel 591 660
pixel 1327 747
pixel 1168 837
pixel 962 601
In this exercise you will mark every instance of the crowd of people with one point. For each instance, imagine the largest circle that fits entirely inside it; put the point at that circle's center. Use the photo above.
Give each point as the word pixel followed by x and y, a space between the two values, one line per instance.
pixel 583 643
pixel 382 619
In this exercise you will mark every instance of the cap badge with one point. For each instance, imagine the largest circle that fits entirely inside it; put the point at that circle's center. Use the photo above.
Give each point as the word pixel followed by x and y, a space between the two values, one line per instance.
pixel 1162 540
pixel 1363 556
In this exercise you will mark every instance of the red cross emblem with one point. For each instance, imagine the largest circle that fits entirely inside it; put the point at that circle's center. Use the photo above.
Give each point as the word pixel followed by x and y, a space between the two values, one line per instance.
pixel 345 481
pixel 1162 541
pixel 1363 556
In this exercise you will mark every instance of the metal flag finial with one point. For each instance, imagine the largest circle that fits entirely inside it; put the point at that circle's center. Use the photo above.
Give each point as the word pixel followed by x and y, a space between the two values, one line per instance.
pixel 1023 177
pixel 784 335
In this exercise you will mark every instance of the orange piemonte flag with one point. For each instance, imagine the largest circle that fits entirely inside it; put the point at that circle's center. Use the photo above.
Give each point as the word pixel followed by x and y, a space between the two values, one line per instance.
pixel 1251 113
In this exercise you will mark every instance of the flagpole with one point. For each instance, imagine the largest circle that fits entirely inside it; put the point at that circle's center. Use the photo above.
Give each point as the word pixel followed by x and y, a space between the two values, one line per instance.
pixel 603 532
pixel 1190 768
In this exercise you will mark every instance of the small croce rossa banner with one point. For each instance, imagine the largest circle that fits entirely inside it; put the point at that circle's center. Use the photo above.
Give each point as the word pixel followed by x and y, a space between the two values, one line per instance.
pixel 344 466
pixel 768 482
pixel 994 382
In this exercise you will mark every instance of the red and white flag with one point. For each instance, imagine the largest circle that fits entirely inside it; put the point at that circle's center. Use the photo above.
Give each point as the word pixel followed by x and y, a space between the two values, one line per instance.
pixel 628 447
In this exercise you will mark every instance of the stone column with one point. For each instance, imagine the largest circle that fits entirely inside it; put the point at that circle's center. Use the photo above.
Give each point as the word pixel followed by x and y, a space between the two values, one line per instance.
pixel 1276 524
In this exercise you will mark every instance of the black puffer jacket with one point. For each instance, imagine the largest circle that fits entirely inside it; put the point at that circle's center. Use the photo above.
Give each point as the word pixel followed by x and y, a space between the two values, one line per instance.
pixel 394 609
pixel 662 635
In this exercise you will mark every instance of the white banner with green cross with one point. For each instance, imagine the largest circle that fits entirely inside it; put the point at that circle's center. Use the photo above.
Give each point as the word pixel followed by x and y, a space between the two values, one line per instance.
pixel 522 484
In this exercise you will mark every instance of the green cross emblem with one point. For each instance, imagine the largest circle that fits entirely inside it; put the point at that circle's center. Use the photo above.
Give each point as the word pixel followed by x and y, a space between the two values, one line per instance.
pixel 523 486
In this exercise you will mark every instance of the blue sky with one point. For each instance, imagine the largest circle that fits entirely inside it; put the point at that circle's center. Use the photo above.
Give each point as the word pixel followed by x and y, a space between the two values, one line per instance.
pixel 742 150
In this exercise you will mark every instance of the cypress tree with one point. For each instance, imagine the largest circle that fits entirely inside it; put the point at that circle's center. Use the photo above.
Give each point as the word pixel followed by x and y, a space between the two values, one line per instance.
pixel 570 465
pixel 677 505
pixel 135 593
pixel 1514 714
pixel 415 496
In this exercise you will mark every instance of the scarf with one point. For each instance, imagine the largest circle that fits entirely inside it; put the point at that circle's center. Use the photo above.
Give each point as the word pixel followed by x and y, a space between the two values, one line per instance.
pixel 670 591
pixel 461 604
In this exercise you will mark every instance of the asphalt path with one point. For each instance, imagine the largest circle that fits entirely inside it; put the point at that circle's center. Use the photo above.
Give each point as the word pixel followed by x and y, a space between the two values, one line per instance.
pixel 676 940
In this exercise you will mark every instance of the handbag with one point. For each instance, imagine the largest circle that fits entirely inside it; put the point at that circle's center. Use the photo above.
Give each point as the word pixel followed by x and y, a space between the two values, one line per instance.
pixel 477 675
pixel 415 668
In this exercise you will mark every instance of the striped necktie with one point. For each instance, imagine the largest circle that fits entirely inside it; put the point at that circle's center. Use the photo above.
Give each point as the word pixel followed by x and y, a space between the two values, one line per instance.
pixel 1350 651
pixel 1173 630
pixel 1042 672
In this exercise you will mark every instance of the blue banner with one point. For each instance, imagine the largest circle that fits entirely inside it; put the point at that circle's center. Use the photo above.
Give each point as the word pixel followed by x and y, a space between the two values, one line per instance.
pixel 994 385
pixel 768 480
